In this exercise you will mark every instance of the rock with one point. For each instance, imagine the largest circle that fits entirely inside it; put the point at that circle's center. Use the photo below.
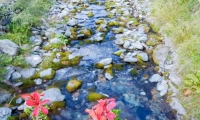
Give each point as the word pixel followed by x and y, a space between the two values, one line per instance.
pixel 109 73
pixel 162 87
pixel 63 14
pixel 38 81
pixel 47 74
pixel 137 45
pixel 142 93
pixel 73 85
pixel 18 84
pixel 86 32
pixel 131 98
pixel 160 54
pixel 33 60
pixel 4 95
pixel 101 78
pixel 93 96
pixel 27 73
pixel 9 47
pixel 56 60
pixel 143 56
pixel 177 106
pixel 106 61
pixel 58 105
pixel 98 37
pixel 127 44
pixel 55 40
pixel 156 78
pixel 53 94
pixel 5 113
pixel 129 58
pixel 19 100
pixel 119 52
pixel 72 22
pixel 119 41
pixel 10 70
pixel 175 78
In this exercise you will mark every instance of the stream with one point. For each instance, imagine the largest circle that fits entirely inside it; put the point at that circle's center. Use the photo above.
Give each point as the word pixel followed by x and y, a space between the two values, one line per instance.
pixel 132 66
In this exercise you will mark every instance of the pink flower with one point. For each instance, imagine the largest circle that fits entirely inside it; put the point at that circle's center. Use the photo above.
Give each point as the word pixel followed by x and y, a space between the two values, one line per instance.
pixel 102 111
pixel 34 100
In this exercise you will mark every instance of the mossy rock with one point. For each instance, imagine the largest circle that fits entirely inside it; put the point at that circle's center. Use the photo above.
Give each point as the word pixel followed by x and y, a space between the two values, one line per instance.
pixel 134 20
pixel 57 105
pixel 90 14
pixel 133 72
pixel 23 116
pixel 118 30
pixel 118 67
pixel 86 32
pixel 99 65
pixel 155 60
pixel 13 118
pixel 151 42
pixel 27 84
pixel 75 61
pixel 52 46
pixel 122 19
pixel 47 74
pixel 113 23
pixel 110 71
pixel 157 37
pixel 87 41
pixel 91 1
pixel 100 21
pixel 73 85
pixel 155 28
pixel 93 96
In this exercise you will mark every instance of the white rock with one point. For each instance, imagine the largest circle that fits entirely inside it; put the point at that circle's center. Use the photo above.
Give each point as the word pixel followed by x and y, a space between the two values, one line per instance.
pixel 119 41
pixel 106 61
pixel 177 106
pixel 63 14
pixel 98 37
pixel 5 113
pixel 108 76
pixel 137 45
pixel 46 72
pixel 156 78
pixel 72 22
pixel 129 58
pixel 126 44
pixel 38 81
pixel 19 100
pixel 144 56
pixel 53 94
pixel 162 87
pixel 142 93
pixel 9 47
pixel 27 73
pixel 175 78
pixel 71 56
pixel 55 60
pixel 33 60
pixel 55 40
pixel 18 84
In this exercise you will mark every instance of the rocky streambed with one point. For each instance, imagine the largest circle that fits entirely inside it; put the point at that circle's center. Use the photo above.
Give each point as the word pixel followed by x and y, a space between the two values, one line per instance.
pixel 88 50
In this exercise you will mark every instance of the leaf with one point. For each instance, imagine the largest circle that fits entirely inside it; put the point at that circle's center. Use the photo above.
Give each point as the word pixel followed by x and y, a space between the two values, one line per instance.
pixel 117 112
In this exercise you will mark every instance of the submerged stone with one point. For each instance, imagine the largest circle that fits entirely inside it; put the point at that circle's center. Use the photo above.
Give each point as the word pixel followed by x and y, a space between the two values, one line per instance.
pixel 58 105
pixel 93 96
pixel 73 85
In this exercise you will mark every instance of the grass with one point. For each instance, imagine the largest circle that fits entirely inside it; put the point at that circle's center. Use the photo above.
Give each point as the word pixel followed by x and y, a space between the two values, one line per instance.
pixel 19 31
pixel 179 20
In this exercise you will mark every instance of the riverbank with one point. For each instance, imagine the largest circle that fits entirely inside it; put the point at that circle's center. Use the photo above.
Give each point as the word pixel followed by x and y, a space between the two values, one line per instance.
pixel 179 20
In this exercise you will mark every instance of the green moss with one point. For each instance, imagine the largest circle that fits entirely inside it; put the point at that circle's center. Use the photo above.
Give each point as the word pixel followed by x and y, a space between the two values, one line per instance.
pixel 92 97
pixel 49 77
pixel 134 20
pixel 110 71
pixel 27 83
pixel 86 32
pixel 155 60
pixel 119 30
pixel 75 61
pixel 113 23
pixel 58 105
pixel 155 28
pixel 118 66
pixel 98 65
pixel 151 42
pixel 157 68
pixel 13 118
pixel 133 72
pixel 87 41
pixel 100 21
pixel 23 116
pixel 73 85
pixel 52 46
pixel 90 14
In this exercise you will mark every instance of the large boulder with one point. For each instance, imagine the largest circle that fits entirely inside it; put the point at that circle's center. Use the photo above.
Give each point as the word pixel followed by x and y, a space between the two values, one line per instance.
pixel 9 47
pixel 5 113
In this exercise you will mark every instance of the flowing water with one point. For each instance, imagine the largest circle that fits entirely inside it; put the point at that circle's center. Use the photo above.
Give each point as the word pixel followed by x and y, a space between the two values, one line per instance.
pixel 136 97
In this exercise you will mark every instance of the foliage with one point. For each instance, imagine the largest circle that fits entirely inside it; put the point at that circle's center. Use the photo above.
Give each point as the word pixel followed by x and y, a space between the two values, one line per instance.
pixel 103 110
pixel 39 109
pixel 117 112
pixel 9 60
pixel 63 39
pixel 180 21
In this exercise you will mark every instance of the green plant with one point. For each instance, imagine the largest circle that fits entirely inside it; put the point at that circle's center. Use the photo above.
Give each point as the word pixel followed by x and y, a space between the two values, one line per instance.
pixel 64 40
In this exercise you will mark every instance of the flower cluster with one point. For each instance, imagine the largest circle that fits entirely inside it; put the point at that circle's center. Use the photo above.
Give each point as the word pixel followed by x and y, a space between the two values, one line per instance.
pixel 103 110
pixel 34 101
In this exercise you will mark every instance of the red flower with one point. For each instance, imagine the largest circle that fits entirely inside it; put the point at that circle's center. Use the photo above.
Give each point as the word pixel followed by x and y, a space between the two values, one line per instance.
pixel 34 100
pixel 102 111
